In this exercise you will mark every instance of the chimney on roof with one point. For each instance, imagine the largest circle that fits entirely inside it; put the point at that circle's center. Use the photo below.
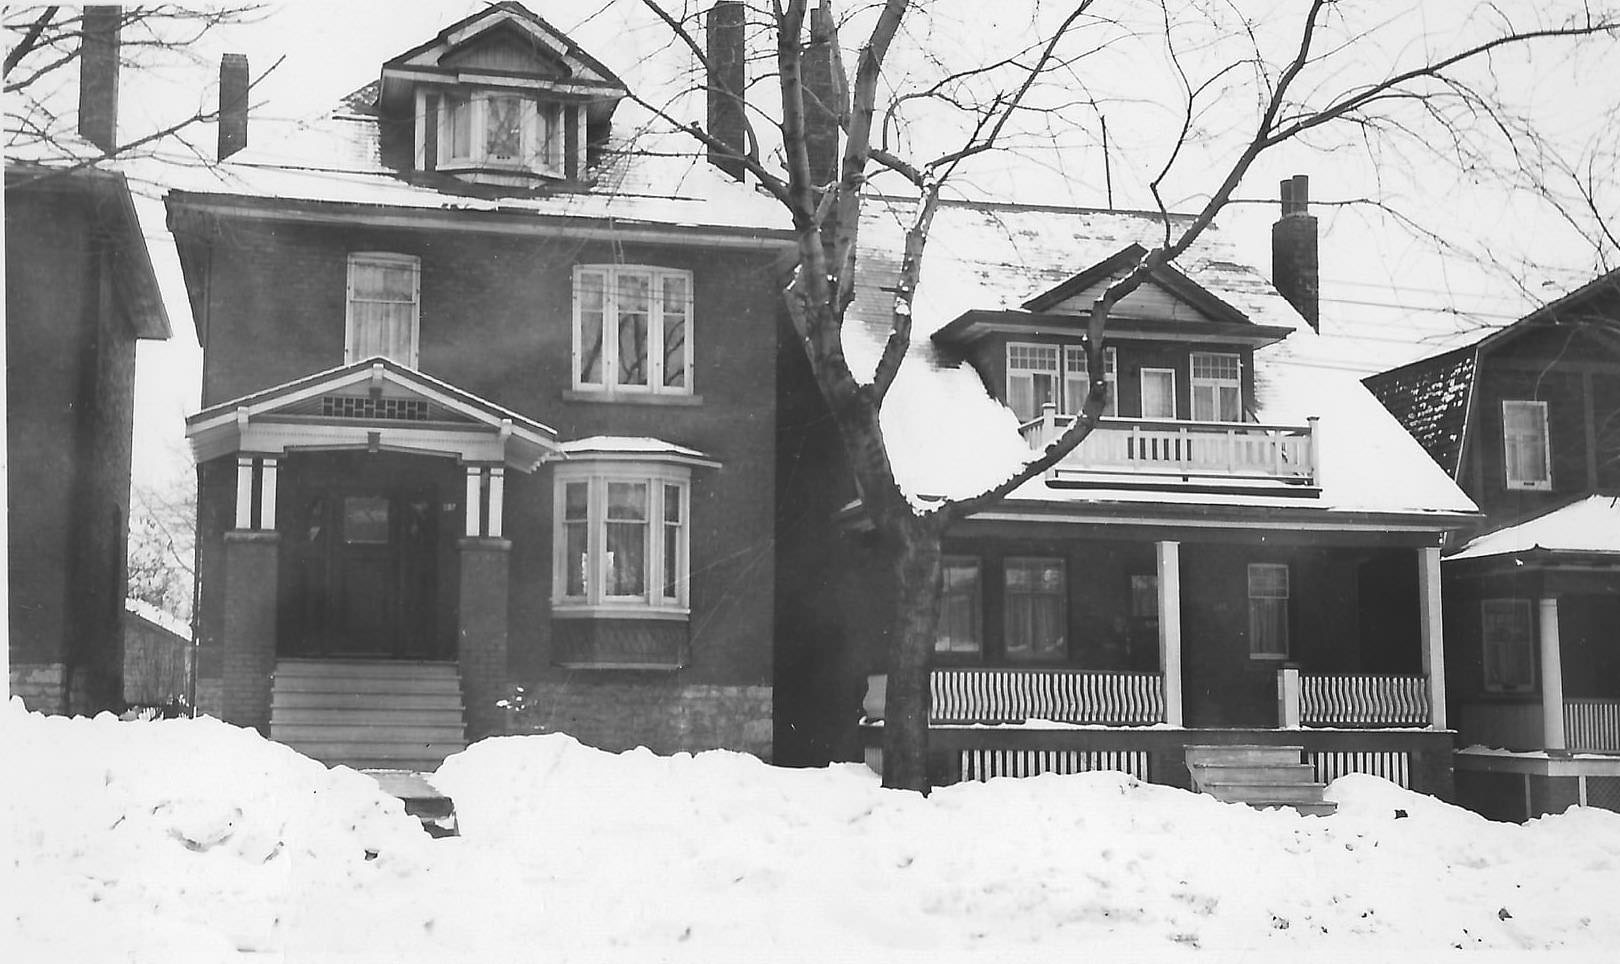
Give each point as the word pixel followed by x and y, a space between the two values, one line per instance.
pixel 233 104
pixel 1294 266
pixel 826 101
pixel 98 76
pixel 728 79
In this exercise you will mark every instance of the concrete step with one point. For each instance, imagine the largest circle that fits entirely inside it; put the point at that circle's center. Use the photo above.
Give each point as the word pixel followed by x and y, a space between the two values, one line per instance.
pixel 368 735
pixel 1245 773
pixel 1244 755
pixel 421 798
pixel 368 669
pixel 368 684
pixel 282 698
pixel 354 753
pixel 368 715
pixel 1321 808
pixel 1261 794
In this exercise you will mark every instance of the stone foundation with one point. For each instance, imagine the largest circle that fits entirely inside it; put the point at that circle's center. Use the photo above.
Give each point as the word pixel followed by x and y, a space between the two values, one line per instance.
pixel 663 715
pixel 42 686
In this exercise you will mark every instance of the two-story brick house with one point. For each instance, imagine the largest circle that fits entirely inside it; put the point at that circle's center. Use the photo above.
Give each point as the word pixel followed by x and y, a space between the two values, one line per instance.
pixel 1244 551
pixel 1527 420
pixel 488 387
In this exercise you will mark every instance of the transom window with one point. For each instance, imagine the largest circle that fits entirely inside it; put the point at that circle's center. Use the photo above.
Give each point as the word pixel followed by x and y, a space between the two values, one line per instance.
pixel 1217 387
pixel 500 130
pixel 1036 604
pixel 961 607
pixel 1059 375
pixel 382 307
pixel 1526 463
pixel 1505 632
pixel 1268 609
pixel 622 539
pixel 633 329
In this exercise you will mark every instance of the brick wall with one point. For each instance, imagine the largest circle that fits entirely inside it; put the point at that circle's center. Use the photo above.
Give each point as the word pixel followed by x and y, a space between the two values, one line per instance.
pixel 664 715
pixel 40 686
pixel 249 627
pixel 482 639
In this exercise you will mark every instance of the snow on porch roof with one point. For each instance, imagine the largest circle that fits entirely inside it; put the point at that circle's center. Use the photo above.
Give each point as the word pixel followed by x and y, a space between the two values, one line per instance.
pixel 1590 525
pixel 635 448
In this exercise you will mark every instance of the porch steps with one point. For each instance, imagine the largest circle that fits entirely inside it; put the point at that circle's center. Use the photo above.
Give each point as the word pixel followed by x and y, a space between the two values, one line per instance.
pixel 369 714
pixel 1260 776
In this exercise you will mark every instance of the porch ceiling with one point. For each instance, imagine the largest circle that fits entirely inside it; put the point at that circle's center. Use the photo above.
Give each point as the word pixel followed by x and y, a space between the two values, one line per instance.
pixel 375 405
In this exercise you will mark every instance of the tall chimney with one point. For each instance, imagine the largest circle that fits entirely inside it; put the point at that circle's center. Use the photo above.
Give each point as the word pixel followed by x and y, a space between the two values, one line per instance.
pixel 233 103
pixel 98 76
pixel 826 98
pixel 1294 266
pixel 727 81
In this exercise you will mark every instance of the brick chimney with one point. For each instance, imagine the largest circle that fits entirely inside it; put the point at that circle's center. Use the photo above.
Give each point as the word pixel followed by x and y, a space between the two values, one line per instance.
pixel 1294 266
pixel 233 104
pixel 98 76
pixel 826 95
pixel 728 79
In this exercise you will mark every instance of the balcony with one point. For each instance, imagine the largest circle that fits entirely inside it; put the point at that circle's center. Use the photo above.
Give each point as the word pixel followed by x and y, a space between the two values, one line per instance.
pixel 1245 454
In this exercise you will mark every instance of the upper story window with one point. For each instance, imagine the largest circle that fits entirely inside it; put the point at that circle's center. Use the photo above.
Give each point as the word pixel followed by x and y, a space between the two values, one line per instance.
pixel 621 539
pixel 1217 387
pixel 383 307
pixel 632 329
pixel 1525 458
pixel 1158 393
pixel 1038 375
pixel 1268 609
pixel 490 129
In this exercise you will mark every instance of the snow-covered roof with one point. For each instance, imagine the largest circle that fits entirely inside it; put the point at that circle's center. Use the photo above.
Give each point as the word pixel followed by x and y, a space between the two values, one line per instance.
pixel 644 448
pixel 157 617
pixel 1590 525
pixel 949 438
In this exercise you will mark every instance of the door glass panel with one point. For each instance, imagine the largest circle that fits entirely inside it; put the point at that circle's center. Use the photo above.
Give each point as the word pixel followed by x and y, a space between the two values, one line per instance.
pixel 365 519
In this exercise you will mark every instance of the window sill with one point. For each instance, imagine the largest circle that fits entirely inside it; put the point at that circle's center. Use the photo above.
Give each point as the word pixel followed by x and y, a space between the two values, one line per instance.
pixel 562 610
pixel 629 398
pixel 1270 657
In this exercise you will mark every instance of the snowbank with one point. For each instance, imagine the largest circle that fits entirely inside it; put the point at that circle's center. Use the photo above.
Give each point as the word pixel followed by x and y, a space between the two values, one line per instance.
pixel 190 840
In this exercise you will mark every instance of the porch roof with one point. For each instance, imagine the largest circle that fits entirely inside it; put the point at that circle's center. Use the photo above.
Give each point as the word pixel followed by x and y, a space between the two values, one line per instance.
pixel 373 404
pixel 1589 526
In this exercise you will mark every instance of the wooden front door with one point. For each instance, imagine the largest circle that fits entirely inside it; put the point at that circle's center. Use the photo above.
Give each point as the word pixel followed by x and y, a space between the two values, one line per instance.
pixel 364 574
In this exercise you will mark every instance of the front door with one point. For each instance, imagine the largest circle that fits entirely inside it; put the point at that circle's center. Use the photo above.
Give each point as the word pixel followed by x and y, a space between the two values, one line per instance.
pixel 364 573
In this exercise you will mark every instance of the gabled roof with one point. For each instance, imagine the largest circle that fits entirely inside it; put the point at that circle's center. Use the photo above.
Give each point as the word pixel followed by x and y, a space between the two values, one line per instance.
pixel 1589 526
pixel 1165 276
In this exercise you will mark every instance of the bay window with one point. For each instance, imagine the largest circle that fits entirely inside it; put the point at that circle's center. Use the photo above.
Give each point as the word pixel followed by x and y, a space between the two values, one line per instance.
pixel 621 540
pixel 495 129
pixel 632 329
pixel 1217 387
pixel 383 315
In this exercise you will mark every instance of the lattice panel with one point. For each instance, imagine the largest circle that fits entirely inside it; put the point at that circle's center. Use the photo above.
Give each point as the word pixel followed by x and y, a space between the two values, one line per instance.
pixel 1603 792
pixel 1392 765
pixel 983 764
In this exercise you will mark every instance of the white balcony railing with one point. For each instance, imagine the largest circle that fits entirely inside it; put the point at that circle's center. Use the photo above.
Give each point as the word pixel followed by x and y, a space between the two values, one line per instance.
pixel 973 695
pixel 1184 449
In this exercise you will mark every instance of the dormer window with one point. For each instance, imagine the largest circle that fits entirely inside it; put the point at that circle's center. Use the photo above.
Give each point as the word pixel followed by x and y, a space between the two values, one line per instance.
pixel 501 132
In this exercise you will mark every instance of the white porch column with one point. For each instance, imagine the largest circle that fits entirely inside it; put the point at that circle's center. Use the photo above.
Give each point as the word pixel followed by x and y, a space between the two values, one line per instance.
pixel 267 496
pixel 497 498
pixel 1552 677
pixel 1169 557
pixel 244 492
pixel 475 519
pixel 1432 632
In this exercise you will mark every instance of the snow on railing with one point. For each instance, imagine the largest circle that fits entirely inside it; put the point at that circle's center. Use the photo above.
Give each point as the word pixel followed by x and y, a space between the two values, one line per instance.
pixel 1172 447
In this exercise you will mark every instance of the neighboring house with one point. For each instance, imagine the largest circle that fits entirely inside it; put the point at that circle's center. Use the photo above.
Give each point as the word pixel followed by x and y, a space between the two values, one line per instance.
pixel 79 291
pixel 487 436
pixel 1527 420
pixel 1244 551
pixel 157 659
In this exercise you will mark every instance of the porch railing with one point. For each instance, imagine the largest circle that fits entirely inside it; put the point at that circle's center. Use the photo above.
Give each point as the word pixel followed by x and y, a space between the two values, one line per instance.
pixel 1171 447
pixel 1592 724
pixel 973 695
pixel 1351 699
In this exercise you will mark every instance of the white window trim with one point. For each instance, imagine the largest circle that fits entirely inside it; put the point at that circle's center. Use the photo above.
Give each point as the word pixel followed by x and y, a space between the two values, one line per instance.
pixel 388 258
pixel 1063 375
pixel 610 331
pixel 1024 373
pixel 1544 483
pixel 543 135
pixel 1287 601
pixel 1195 382
pixel 1071 374
pixel 1175 407
pixel 1523 607
pixel 595 602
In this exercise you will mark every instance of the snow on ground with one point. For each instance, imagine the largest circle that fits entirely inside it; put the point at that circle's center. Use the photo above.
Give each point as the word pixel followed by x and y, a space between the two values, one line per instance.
pixel 193 840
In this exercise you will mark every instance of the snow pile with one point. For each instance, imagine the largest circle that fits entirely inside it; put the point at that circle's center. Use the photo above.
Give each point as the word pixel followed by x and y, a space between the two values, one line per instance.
pixel 189 840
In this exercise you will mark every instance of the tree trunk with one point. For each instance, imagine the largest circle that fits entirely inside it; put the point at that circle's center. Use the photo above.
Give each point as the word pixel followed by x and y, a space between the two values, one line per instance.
pixel 916 562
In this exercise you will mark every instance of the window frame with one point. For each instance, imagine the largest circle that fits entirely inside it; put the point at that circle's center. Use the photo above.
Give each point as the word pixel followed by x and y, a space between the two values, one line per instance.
pixel 976 606
pixel 653 602
pixel 541 132
pixel 610 351
pixel 391 259
pixel 1007 595
pixel 1065 374
pixel 1521 609
pixel 1509 479
pixel 1026 373
pixel 1287 610
pixel 1073 375
pixel 1195 382
pixel 1142 378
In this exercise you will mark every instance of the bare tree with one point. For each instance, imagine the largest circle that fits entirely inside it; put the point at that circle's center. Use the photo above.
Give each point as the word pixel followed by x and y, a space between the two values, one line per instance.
pixel 1309 72
pixel 162 539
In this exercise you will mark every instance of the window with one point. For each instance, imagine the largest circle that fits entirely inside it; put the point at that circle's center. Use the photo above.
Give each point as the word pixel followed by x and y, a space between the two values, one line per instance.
pixel 1036 609
pixel 382 313
pixel 500 130
pixel 960 607
pixel 1038 374
pixel 1158 393
pixel 1509 651
pixel 633 329
pixel 622 539
pixel 1268 609
pixel 1217 387
pixel 1524 445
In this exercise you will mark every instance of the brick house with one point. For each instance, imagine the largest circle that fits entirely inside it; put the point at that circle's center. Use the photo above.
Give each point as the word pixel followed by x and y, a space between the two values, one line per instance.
pixel 1527 420
pixel 1245 551
pixel 80 290
pixel 488 390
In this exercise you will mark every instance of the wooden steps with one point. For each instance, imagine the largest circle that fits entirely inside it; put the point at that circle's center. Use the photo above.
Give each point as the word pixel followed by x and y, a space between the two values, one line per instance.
pixel 369 714
pixel 1260 776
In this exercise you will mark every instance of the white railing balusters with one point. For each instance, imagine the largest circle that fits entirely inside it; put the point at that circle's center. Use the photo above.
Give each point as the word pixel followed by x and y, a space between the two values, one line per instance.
pixel 1062 695
pixel 1592 725
pixel 1184 448
pixel 1363 700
